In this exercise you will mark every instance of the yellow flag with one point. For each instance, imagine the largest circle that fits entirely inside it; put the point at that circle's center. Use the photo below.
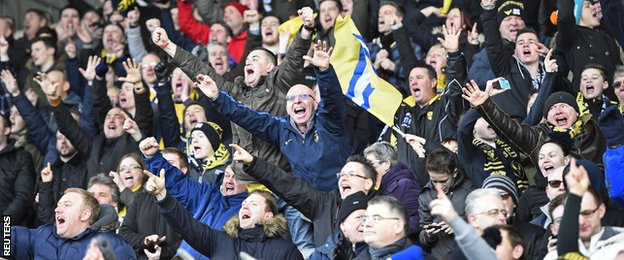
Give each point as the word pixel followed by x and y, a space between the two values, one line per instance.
pixel 358 79
pixel 292 26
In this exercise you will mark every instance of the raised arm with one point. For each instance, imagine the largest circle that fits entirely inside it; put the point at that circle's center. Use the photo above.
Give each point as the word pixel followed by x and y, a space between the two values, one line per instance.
pixel 198 32
pixel 295 191
pixel 496 51
pixel 522 136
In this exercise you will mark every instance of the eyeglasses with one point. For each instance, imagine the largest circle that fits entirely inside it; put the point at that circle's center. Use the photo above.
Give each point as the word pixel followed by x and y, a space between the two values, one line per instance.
pixel 150 65
pixel 129 167
pixel 588 213
pixel 302 97
pixel 376 162
pixel 350 175
pixel 555 184
pixel 493 212
pixel 376 218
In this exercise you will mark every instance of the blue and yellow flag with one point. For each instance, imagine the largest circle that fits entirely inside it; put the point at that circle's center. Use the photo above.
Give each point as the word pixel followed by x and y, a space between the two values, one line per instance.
pixel 358 79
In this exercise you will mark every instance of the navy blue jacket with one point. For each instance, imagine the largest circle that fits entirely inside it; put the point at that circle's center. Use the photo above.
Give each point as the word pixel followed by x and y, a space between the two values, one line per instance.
pixel 203 200
pixel 315 156
pixel 44 243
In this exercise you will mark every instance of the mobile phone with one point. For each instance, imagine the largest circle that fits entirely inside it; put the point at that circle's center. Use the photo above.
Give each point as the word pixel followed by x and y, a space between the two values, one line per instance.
pixel 434 226
pixel 504 84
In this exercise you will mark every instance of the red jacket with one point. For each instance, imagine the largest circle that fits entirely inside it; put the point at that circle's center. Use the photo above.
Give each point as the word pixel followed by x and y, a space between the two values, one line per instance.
pixel 200 32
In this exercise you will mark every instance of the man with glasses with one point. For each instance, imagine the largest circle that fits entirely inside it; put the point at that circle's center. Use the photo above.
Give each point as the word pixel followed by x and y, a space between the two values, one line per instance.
pixel 319 206
pixel 585 207
pixel 385 230
pixel 435 234
pixel 534 240
pixel 312 137
pixel 553 189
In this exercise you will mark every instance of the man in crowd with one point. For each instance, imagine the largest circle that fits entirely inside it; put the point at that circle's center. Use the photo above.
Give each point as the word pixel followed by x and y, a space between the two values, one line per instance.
pixel 75 214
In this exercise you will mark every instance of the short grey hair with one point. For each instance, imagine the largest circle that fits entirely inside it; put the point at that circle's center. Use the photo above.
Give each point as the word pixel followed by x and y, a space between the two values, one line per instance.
pixel 619 72
pixel 106 180
pixel 473 200
pixel 216 43
pixel 383 151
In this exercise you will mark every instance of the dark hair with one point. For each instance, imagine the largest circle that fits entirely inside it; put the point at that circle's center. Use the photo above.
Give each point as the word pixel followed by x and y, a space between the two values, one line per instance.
pixel 369 170
pixel 105 180
pixel 526 30
pixel 559 200
pixel 228 30
pixel 465 16
pixel 395 207
pixel 564 148
pixel 400 11
pixel 269 198
pixel 6 120
pixel 430 70
pixel 138 159
pixel 514 236
pixel 180 154
pixel 271 14
pixel 69 6
pixel 41 14
pixel 596 67
pixel 338 3
pixel 441 160
pixel 269 54
pixel 47 33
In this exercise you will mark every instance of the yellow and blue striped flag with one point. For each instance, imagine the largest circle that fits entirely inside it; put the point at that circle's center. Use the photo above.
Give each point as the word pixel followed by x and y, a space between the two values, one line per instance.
pixel 358 79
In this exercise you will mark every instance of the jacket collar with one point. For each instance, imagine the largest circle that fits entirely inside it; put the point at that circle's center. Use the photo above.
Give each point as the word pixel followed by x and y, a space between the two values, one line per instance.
pixel 271 228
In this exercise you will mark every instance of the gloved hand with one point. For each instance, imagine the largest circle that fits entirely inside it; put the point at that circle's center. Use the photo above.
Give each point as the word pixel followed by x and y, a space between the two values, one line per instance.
pixel 611 123
pixel 343 249
pixel 162 73
pixel 101 69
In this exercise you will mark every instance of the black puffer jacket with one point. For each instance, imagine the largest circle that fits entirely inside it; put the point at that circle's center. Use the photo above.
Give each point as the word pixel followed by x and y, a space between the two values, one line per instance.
pixel 261 242
pixel 444 244
pixel 17 182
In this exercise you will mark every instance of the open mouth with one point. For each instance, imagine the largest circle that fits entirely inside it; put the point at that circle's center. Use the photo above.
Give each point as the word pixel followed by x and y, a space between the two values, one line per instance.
pixel 268 33
pixel 589 89
pixel 345 188
pixel 178 86
pixel 197 148
pixel 245 216
pixel 561 120
pixel 299 111
pixel 60 220
pixel 218 65
pixel 229 188
pixel 549 168
pixel 249 71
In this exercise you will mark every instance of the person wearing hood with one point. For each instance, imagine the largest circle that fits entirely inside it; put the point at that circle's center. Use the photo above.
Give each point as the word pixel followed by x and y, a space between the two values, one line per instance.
pixel 210 203
pixel 444 174
pixel 258 230
pixel 396 180
pixel 78 220
pixel 348 241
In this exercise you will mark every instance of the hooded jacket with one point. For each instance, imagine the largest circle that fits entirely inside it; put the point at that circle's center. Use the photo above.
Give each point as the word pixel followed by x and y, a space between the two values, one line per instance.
pixel 203 200
pixel 268 96
pixel 261 242
pixel 44 243
pixel 444 244
pixel 399 182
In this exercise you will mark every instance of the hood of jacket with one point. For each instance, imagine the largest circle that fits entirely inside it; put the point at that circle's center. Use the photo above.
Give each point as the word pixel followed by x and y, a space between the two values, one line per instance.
pixel 271 228
pixel 107 221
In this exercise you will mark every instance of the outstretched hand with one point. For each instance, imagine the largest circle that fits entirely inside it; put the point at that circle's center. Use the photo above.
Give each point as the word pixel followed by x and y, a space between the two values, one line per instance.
pixel 155 185
pixel 9 82
pixel 207 86
pixel 321 55
pixel 47 86
pixel 92 63
pixel 133 73
pixel 241 155
pixel 474 95
pixel 450 42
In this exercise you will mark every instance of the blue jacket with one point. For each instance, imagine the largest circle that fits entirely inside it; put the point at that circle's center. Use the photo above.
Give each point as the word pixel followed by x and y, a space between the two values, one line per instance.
pixel 203 200
pixel 316 156
pixel 44 243
pixel 614 169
